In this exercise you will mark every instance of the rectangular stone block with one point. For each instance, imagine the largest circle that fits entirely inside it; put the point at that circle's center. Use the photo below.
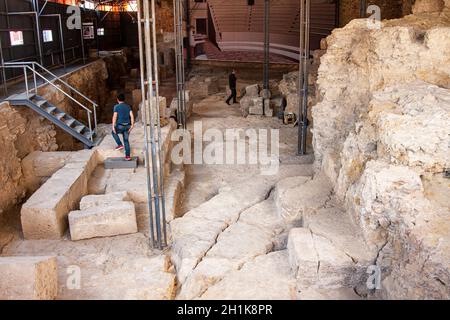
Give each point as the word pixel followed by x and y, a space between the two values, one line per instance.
pixel 44 215
pixel 28 278
pixel 257 107
pixel 103 199
pixel 105 221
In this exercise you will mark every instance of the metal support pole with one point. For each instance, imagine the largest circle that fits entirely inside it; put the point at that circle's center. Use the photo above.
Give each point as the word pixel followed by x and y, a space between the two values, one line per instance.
pixel 38 33
pixel 26 80
pixel 158 121
pixel 82 37
pixel 266 43
pixel 187 4
pixel 34 78
pixel 362 8
pixel 305 8
pixel 2 62
pixel 154 154
pixel 61 35
pixel 145 109
pixel 38 30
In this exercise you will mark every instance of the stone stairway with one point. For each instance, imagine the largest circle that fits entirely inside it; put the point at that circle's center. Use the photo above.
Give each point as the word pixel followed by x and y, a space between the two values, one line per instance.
pixel 270 238
pixel 44 108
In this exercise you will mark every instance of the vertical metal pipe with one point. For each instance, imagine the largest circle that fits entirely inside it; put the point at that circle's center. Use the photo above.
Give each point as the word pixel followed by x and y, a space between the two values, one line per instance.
pixel 34 78
pixel 82 37
pixel 2 62
pixel 300 74
pixel 62 41
pixel 145 110
pixel 38 30
pixel 26 80
pixel 177 74
pixel 266 43
pixel 158 121
pixel 305 78
pixel 148 56
pixel 188 31
pixel 362 8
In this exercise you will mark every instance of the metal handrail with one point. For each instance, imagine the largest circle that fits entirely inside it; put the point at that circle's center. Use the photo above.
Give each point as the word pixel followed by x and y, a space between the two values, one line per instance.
pixel 55 76
pixel 31 66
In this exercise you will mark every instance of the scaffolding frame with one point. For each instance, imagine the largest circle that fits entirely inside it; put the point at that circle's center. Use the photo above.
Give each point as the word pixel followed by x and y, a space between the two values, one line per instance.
pixel 150 106
pixel 305 10
pixel 179 63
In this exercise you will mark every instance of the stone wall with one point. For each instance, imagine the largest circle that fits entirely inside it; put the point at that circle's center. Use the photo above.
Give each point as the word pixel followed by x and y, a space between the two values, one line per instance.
pixel 390 9
pixel 381 134
pixel 21 132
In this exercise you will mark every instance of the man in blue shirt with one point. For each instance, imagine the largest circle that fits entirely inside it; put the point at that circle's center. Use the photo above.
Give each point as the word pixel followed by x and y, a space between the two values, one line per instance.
pixel 122 123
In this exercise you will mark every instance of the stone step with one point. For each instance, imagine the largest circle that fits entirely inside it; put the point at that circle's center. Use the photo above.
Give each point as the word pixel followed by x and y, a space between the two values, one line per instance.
pixel 28 278
pixel 102 200
pixel 318 263
pixel 295 196
pixel 116 218
pixel 267 277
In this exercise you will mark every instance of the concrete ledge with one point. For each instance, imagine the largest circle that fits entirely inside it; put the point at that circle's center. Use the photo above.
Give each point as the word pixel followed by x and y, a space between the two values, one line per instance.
pixel 44 215
pixel 28 278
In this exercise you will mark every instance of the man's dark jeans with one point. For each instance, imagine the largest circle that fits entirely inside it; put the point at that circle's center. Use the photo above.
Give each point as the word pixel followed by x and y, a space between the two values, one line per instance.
pixel 232 96
pixel 123 130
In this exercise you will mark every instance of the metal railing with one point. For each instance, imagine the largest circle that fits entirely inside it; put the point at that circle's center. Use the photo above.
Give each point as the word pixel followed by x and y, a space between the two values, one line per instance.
pixel 33 66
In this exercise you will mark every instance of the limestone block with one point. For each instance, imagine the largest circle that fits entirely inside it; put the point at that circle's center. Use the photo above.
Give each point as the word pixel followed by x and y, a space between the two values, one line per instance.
pixel 102 200
pixel 318 263
pixel 257 107
pixel 117 218
pixel 43 164
pixel 252 91
pixel 28 278
pixel 44 215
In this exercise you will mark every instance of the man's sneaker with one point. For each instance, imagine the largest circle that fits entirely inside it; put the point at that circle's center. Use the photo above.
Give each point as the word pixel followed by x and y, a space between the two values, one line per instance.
pixel 119 148
pixel 128 159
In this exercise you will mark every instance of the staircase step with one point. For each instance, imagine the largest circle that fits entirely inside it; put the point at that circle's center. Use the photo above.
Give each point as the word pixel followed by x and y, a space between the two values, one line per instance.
pixel 70 122
pixel 87 134
pixel 61 115
pixel 50 109
pixel 79 128
pixel 40 103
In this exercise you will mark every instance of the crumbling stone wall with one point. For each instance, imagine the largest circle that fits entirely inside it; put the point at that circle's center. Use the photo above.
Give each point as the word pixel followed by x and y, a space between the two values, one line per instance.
pixel 390 9
pixel 381 135
pixel 21 132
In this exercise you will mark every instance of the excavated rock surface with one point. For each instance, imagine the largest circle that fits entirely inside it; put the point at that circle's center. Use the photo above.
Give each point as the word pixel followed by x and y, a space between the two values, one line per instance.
pixel 381 136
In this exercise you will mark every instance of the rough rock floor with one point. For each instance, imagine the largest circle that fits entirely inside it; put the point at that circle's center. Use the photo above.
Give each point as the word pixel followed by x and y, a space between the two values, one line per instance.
pixel 232 239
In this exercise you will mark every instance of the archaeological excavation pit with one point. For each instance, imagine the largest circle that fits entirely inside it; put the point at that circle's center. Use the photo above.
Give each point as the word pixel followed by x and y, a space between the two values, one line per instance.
pixel 279 150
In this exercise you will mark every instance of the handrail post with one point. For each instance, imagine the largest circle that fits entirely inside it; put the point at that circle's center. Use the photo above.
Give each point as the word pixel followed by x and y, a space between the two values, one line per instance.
pixel 35 80
pixel 26 81
pixel 90 126
pixel 95 118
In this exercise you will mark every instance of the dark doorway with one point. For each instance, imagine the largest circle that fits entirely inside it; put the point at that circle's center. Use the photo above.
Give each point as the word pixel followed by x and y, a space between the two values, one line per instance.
pixel 200 26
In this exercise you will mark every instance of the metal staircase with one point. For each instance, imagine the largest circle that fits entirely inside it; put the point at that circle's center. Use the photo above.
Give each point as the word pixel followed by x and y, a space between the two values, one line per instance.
pixel 85 133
